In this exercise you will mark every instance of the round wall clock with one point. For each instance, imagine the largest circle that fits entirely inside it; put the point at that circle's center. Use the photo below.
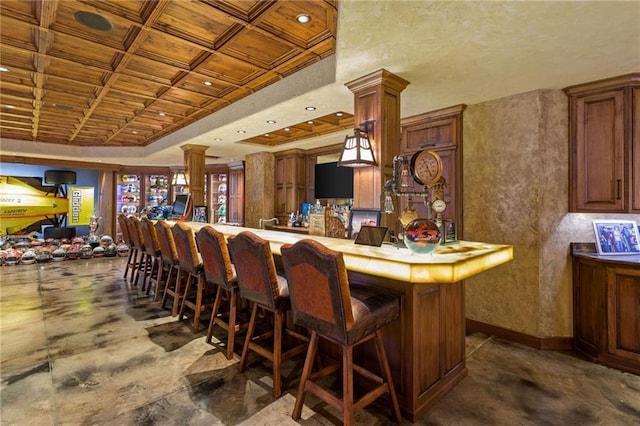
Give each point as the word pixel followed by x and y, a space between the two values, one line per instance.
pixel 426 167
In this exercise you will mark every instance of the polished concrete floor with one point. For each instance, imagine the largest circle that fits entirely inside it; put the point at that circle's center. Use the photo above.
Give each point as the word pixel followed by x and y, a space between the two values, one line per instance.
pixel 79 346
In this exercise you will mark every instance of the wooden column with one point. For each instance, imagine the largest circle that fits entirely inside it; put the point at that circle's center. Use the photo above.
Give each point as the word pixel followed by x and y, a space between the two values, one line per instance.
pixel 377 109
pixel 194 161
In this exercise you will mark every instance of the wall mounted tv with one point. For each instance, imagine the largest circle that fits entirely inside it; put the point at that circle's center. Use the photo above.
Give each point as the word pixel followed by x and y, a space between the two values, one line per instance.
pixel 332 181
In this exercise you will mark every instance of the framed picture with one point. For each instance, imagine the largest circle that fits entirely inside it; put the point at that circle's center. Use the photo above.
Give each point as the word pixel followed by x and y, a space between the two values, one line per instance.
pixel 359 217
pixel 200 214
pixel 616 237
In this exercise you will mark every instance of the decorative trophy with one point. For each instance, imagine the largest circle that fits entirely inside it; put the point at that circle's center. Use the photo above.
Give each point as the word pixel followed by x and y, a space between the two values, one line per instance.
pixel 94 223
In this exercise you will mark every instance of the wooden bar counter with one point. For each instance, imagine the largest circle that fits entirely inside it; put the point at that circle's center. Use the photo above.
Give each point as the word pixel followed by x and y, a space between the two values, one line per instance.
pixel 426 345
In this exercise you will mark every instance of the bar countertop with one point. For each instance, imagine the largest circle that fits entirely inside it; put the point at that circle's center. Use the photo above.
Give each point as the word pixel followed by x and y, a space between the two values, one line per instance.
pixel 447 264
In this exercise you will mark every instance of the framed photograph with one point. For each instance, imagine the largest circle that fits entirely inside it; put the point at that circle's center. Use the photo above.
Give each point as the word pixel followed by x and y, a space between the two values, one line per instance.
pixel 359 217
pixel 449 232
pixel 616 237
pixel 200 214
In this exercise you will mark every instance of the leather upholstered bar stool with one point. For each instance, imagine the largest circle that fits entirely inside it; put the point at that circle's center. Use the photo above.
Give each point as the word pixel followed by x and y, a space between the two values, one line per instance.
pixel 189 263
pixel 132 260
pixel 219 271
pixel 152 249
pixel 170 265
pixel 323 301
pixel 259 283
pixel 135 231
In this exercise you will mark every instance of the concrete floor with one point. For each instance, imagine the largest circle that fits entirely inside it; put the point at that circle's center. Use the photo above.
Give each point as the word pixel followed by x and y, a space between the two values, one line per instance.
pixel 80 346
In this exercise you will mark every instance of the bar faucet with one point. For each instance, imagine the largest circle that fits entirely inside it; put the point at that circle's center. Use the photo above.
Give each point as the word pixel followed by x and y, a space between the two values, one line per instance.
pixel 262 221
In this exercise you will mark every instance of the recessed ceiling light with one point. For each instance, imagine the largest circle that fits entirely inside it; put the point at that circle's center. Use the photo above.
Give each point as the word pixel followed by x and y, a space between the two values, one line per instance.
pixel 217 139
pixel 94 21
pixel 134 132
pixel 242 131
pixel 271 121
pixel 310 122
pixel 310 108
pixel 10 106
pixel 267 134
pixel 208 83
pixel 303 18
pixel 162 114
pixel 4 69
pixel 339 114
pixel 286 129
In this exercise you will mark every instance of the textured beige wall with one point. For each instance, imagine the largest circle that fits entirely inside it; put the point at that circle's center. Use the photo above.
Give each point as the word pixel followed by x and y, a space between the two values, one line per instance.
pixel 516 158
pixel 259 188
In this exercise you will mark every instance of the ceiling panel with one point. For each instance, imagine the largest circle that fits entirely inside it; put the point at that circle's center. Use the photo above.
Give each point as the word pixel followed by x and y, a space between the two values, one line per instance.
pixel 143 77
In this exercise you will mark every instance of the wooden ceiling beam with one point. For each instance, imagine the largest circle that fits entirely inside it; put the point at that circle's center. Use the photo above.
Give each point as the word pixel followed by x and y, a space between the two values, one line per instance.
pixel 45 12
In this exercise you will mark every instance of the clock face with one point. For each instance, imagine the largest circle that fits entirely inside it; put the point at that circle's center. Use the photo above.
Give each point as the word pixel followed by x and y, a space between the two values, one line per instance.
pixel 426 167
pixel 439 206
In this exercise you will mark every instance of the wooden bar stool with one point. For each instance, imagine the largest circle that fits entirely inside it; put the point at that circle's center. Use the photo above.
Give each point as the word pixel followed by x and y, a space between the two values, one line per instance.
pixel 170 265
pixel 189 263
pixel 132 260
pixel 259 283
pixel 219 271
pixel 135 232
pixel 323 301
pixel 152 249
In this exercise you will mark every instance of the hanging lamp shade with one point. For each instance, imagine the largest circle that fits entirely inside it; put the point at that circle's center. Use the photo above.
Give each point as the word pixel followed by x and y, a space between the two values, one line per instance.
pixel 357 151
pixel 180 178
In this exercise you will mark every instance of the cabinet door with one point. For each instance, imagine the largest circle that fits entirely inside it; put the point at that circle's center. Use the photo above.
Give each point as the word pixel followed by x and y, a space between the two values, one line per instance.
pixel 598 154
pixel 635 151
pixel 623 287
pixel 589 304
pixel 426 131
pixel 281 199
pixel 236 196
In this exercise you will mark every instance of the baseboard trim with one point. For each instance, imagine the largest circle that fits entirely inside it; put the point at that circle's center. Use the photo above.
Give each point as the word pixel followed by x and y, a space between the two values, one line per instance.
pixel 547 343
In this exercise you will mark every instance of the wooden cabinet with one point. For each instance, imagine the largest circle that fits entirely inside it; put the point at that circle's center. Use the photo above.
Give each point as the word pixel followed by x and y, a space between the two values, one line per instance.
pixel 604 121
pixel 290 181
pixel 439 131
pixel 606 305
pixel 236 193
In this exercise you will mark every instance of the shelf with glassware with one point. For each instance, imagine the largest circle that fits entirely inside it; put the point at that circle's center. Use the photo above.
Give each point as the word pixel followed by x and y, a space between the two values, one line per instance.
pixel 218 197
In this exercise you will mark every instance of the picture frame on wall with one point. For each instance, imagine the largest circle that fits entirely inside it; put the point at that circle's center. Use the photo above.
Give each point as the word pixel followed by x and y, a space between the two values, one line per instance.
pixel 616 237
pixel 362 217
pixel 200 214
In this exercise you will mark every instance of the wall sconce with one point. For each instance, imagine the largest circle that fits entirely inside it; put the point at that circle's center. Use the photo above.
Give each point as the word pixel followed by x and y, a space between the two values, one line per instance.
pixel 180 178
pixel 357 150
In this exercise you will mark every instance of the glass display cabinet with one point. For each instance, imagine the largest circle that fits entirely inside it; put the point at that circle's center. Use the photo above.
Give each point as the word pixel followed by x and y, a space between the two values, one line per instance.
pixel 218 197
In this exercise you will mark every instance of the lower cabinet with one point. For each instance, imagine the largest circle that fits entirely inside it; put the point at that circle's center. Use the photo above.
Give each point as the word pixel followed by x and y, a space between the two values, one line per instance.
pixel 606 304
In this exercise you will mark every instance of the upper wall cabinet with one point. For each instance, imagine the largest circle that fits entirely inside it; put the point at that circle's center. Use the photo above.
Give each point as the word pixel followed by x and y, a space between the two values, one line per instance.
pixel 604 135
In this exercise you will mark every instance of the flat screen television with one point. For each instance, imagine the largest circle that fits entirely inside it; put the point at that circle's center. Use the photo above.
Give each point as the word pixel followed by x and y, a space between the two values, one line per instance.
pixel 332 181
pixel 180 205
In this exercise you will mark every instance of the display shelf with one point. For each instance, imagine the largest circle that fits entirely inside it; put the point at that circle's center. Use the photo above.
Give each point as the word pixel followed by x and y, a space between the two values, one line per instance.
pixel 156 190
pixel 218 197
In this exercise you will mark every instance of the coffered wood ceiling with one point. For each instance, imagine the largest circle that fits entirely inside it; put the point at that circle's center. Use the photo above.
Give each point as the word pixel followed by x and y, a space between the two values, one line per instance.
pixel 145 78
